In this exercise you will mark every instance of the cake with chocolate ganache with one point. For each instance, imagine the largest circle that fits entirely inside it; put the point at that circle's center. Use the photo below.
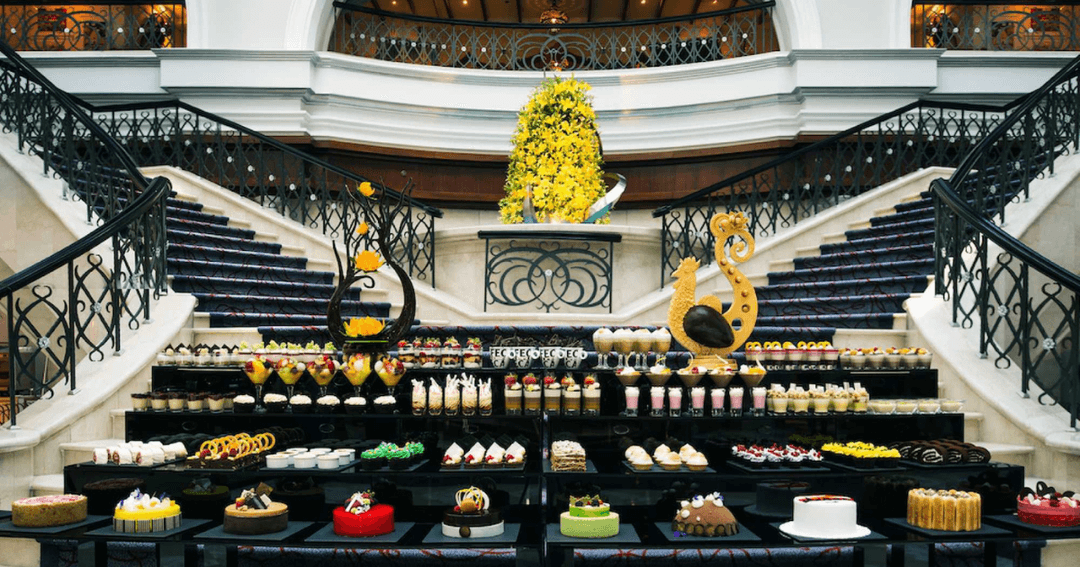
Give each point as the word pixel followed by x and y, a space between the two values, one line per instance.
pixel 254 513
pixel 705 516
pixel 363 516
pixel 589 516
pixel 472 516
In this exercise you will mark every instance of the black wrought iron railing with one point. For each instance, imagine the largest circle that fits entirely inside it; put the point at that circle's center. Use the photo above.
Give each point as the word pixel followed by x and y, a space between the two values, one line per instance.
pixel 1026 306
pixel 791 188
pixel 996 25
pixel 403 38
pixel 93 26
pixel 76 303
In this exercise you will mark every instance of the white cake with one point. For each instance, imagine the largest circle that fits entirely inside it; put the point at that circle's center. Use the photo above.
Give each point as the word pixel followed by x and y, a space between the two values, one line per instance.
pixel 824 516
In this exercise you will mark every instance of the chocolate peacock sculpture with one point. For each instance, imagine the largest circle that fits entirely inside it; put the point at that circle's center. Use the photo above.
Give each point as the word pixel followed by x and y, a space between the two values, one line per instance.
pixel 702 325
pixel 368 246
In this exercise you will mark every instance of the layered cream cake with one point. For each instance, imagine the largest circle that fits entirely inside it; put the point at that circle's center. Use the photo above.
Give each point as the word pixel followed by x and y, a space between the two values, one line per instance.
pixel 48 511
pixel 589 517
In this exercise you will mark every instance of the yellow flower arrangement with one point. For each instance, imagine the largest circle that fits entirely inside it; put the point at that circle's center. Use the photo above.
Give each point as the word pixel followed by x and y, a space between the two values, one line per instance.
pixel 363 327
pixel 366 189
pixel 556 153
pixel 368 261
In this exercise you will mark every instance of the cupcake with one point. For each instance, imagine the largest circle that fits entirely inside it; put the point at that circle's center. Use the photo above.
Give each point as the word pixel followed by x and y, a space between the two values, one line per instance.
pixel 385 404
pixel 697 462
pixel 398 460
pixel 355 405
pixel 301 404
pixel 371 460
pixel 243 403
pixel 275 403
pixel 327 404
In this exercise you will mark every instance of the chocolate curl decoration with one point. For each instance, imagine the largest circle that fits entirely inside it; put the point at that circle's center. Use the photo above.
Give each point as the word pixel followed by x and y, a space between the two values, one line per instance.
pixel 379 212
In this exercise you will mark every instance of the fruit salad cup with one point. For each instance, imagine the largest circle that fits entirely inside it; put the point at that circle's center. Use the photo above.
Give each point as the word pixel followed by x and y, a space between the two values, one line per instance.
pixel 357 370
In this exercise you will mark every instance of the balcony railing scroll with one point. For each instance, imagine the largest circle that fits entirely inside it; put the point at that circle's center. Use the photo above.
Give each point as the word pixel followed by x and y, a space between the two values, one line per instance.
pixel 996 25
pixel 93 26
pixel 402 38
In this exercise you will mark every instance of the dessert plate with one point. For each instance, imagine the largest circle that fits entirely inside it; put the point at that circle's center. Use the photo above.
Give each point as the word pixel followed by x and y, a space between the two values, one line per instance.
pixel 507 538
pixel 186 524
pixel 787 528
pixel 589 468
pixel 780 469
pixel 947 466
pixel 339 468
pixel 327 535
pixel 673 536
pixel 657 469
pixel 1013 521
pixel 289 531
pixel 985 530
pixel 627 534
pixel 7 526
pixel 875 469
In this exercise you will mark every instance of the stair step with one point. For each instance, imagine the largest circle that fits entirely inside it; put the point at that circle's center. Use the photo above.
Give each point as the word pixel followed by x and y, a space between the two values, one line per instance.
pixel 178 213
pixel 837 320
pixel 281 305
pixel 1007 450
pixel 840 273
pixel 876 242
pixel 868 286
pixel 215 254
pixel 901 227
pixel 231 319
pixel 265 287
pixel 209 228
pixel 221 241
pixel 83 451
pixel 201 268
pixel 47 485
pixel 864 257
pixel 879 303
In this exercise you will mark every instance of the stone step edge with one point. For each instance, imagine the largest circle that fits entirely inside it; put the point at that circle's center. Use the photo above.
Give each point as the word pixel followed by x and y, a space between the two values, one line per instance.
pixel 1007 449
pixel 47 485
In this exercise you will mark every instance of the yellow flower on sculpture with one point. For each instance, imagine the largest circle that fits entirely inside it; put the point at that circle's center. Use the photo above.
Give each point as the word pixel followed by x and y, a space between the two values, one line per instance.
pixel 368 261
pixel 363 228
pixel 366 189
pixel 363 327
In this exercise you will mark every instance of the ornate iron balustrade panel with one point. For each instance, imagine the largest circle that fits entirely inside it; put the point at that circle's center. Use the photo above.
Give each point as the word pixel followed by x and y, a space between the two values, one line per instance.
pixel 550 270
pixel 996 26
pixel 93 26
pixel 1025 306
pixel 795 187
pixel 296 186
pixel 75 304
pixel 523 47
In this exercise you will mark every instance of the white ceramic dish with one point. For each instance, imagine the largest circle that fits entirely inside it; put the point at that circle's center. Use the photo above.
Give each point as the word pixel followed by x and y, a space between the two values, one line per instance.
pixel 787 529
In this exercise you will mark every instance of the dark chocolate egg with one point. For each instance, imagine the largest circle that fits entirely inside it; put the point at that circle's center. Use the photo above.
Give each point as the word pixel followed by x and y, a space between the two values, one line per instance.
pixel 707 327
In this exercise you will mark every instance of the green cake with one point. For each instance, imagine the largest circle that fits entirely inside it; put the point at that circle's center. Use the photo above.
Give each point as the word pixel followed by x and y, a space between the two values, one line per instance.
pixel 589 517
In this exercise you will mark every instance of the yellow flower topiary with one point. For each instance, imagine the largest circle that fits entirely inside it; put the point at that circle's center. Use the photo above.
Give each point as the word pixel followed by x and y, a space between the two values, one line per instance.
pixel 363 327
pixel 556 153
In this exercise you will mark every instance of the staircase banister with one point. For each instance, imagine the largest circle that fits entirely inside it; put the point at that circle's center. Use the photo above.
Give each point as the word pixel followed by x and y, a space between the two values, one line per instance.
pixel 158 188
pixel 545 26
pixel 944 189
pixel 1025 104
pixel 923 103
pixel 71 104
pixel 177 103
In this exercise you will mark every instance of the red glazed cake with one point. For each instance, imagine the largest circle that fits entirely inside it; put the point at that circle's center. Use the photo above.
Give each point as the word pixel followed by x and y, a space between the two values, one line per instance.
pixel 361 516
pixel 1044 506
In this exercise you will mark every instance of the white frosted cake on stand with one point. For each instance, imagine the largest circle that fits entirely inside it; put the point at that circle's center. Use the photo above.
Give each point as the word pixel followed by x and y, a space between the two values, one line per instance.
pixel 824 516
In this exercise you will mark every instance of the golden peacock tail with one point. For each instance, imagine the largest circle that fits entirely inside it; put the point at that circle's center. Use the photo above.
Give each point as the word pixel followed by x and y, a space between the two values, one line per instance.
pixel 744 309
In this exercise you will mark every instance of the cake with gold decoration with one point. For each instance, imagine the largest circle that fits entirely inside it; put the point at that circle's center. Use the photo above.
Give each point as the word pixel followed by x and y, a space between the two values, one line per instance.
pixel 472 516
pixel 142 513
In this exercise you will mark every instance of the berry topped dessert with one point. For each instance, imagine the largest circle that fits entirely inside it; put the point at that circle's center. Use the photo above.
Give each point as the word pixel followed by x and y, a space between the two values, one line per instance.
pixel 363 516
pixel 1045 506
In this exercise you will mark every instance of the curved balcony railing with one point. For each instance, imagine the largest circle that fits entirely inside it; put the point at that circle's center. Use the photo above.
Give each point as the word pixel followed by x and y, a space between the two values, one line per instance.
pixel 74 304
pixel 400 38
pixel 992 25
pixel 1027 307
pixel 93 26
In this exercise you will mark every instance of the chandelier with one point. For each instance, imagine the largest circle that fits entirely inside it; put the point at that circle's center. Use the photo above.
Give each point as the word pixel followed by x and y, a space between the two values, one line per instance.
pixel 554 16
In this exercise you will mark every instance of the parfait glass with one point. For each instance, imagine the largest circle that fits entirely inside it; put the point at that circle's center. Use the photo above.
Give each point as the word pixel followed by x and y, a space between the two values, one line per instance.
pixel 322 370
pixel 661 344
pixel 642 345
pixel 624 344
pixel 603 340
pixel 390 371
pixel 258 372
pixel 290 373
pixel 357 370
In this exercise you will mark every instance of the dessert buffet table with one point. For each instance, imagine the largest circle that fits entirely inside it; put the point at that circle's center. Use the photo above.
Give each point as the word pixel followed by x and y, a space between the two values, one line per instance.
pixel 531 496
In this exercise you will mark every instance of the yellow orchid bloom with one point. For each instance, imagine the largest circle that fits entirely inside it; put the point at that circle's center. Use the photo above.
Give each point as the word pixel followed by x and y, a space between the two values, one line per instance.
pixel 366 189
pixel 363 327
pixel 363 228
pixel 368 261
